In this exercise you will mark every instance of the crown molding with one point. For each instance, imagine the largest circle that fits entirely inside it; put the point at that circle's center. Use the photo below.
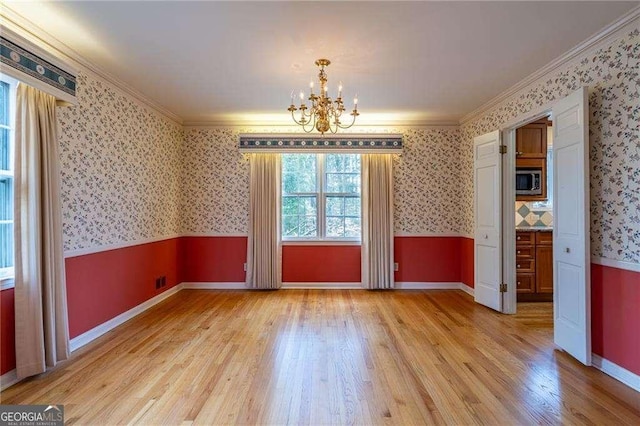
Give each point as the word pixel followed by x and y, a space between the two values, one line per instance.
pixel 27 30
pixel 607 33
pixel 234 125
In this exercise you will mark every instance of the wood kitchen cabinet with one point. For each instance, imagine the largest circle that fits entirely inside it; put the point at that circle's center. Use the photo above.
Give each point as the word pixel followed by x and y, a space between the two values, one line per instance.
pixel 531 153
pixel 534 266
pixel 531 140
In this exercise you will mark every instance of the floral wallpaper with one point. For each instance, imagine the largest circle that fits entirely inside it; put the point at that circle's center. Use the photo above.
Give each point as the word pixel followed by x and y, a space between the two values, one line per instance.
pixel 426 182
pixel 215 183
pixel 215 192
pixel 120 164
pixel 612 73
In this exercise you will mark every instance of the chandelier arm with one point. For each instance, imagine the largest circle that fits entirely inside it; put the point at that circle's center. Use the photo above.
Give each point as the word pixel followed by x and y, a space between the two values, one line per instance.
pixel 296 121
pixel 352 123
pixel 312 123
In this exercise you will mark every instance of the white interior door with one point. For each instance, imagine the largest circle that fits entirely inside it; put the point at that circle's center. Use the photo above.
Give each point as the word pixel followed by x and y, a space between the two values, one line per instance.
pixel 571 257
pixel 488 226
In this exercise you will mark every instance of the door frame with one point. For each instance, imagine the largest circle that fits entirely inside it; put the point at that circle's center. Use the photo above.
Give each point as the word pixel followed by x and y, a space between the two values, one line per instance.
pixel 510 302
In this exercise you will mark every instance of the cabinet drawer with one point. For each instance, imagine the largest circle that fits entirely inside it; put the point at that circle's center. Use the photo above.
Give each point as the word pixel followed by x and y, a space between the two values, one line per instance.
pixel 525 265
pixel 525 252
pixel 525 283
pixel 544 238
pixel 525 238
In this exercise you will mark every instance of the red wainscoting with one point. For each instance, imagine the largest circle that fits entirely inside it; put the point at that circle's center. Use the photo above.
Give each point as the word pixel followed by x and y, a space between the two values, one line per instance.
pixel 103 285
pixel 615 315
pixel 429 259
pixel 320 264
pixel 466 261
pixel 7 332
pixel 213 259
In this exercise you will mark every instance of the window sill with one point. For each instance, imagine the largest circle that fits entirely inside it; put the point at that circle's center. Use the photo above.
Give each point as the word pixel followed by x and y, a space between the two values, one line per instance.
pixel 7 283
pixel 321 242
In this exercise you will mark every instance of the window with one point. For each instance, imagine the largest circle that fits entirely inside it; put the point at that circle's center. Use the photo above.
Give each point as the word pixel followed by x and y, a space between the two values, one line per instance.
pixel 321 196
pixel 7 94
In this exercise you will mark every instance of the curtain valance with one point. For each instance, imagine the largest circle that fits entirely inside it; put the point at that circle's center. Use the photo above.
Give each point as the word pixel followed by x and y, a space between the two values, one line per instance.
pixel 25 62
pixel 362 143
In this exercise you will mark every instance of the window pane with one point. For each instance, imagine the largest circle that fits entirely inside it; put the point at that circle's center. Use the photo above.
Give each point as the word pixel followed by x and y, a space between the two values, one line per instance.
pixel 289 206
pixel 299 216
pixel 308 206
pixel 335 226
pixel 290 226
pixel 308 226
pixel 296 183
pixel 335 206
pixel 352 227
pixel 5 152
pixel 6 245
pixel 4 103
pixel 352 206
pixel 6 198
pixel 343 183
pixel 346 163
pixel 298 173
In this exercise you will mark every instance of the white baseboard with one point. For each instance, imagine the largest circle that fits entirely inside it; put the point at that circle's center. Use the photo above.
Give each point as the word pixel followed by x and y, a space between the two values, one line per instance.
pixel 323 286
pixel 214 286
pixel 88 336
pixel 467 289
pixel 9 378
pixel 614 370
pixel 409 285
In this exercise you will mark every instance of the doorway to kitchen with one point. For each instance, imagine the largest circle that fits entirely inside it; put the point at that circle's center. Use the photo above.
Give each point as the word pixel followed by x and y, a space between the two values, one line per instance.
pixel 567 245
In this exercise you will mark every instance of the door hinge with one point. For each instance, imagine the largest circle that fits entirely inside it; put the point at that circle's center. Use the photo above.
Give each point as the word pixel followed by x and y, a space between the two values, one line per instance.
pixel 503 149
pixel 503 288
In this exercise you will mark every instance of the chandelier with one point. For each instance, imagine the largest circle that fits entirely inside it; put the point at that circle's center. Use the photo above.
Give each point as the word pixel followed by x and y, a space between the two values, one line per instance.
pixel 323 114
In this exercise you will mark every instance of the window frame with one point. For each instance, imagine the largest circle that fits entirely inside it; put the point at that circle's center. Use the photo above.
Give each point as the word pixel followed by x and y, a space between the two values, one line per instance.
pixel 7 275
pixel 321 213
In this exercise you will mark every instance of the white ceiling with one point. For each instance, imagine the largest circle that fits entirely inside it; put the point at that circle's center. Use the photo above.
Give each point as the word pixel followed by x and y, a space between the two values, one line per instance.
pixel 224 61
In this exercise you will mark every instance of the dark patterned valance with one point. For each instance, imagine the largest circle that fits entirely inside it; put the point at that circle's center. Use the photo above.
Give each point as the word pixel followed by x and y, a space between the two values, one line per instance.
pixel 290 143
pixel 34 66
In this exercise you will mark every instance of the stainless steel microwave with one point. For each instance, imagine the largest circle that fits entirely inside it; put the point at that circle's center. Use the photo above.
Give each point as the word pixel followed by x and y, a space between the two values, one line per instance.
pixel 528 182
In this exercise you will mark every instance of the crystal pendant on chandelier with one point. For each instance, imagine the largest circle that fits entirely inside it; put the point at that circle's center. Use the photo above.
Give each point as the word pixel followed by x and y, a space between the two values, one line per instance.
pixel 323 114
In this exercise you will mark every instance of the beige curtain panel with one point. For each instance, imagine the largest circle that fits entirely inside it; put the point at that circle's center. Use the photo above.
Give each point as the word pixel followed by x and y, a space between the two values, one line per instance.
pixel 377 221
pixel 263 249
pixel 42 336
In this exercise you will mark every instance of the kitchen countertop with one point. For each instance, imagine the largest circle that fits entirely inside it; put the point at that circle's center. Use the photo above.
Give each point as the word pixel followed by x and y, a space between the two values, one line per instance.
pixel 534 228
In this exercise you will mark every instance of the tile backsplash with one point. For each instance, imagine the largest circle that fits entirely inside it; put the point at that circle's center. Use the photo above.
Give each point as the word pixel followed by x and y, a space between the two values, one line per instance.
pixel 528 215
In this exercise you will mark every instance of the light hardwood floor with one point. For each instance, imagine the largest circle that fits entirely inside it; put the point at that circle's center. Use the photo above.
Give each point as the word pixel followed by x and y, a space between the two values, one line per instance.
pixel 330 356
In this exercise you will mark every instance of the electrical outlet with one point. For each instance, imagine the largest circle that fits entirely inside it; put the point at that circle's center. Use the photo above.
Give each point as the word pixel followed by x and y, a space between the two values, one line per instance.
pixel 244 268
pixel 158 283
pixel 396 266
